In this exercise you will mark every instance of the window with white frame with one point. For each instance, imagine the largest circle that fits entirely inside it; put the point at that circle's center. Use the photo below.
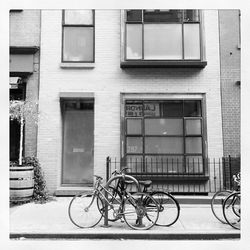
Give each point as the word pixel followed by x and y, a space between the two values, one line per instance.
pixel 78 36
pixel 162 35
pixel 164 136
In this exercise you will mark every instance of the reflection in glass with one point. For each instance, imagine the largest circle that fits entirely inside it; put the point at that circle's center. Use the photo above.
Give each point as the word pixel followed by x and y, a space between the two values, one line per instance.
pixel 78 44
pixel 163 41
pixel 135 163
pixel 134 126
pixel 78 17
pixel 134 41
pixel 193 145
pixel 192 41
pixel 164 164
pixel 163 126
pixel 134 15
pixel 134 145
pixel 164 145
pixel 151 109
pixel 172 108
pixel 192 108
pixel 194 164
pixel 163 16
pixel 193 127
pixel 191 15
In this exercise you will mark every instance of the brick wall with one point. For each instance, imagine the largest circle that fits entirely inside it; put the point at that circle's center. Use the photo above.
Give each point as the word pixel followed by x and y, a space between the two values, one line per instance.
pixel 25 28
pixel 107 80
pixel 25 32
pixel 230 74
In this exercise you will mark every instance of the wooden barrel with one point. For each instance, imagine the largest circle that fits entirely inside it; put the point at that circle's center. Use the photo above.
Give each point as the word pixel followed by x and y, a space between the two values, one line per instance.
pixel 21 183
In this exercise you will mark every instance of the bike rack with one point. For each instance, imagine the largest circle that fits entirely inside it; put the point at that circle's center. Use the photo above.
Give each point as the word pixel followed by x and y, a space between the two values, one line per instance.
pixel 106 196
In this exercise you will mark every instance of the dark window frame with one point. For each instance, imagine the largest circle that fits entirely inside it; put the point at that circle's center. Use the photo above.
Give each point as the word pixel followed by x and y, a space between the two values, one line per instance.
pixel 144 155
pixel 175 61
pixel 78 25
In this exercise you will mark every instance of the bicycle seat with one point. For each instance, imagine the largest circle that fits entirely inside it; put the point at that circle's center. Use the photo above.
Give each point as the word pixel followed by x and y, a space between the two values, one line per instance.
pixel 146 183
pixel 128 182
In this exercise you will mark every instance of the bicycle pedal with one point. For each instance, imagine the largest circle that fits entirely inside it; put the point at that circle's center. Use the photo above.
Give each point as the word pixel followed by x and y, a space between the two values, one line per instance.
pixel 122 221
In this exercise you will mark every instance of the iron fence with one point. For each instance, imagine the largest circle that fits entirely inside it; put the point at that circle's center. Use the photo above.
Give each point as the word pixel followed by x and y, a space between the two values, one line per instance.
pixel 194 176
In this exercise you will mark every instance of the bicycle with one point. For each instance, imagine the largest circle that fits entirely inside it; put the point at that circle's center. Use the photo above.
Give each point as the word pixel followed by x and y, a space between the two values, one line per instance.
pixel 169 208
pixel 86 211
pixel 219 198
pixel 231 209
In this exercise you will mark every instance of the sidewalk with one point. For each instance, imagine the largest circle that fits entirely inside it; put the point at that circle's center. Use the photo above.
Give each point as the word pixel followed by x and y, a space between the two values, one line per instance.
pixel 51 221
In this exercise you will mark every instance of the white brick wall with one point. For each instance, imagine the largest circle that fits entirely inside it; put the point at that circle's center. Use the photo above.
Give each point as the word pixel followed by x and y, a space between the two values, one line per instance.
pixel 25 28
pixel 107 80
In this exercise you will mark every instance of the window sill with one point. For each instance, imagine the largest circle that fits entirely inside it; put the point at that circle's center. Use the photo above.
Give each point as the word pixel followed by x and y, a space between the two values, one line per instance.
pixel 69 65
pixel 163 64
pixel 169 177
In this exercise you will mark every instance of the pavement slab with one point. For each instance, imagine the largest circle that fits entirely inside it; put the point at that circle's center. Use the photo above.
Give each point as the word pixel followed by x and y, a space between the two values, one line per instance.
pixel 50 220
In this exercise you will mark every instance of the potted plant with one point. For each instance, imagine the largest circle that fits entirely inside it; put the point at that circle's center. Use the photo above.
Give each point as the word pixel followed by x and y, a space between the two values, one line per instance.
pixel 22 174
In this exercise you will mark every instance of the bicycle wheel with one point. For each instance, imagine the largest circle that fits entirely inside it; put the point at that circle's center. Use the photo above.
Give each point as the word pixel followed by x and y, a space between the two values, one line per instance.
pixel 140 211
pixel 169 208
pixel 217 203
pixel 231 210
pixel 114 198
pixel 83 210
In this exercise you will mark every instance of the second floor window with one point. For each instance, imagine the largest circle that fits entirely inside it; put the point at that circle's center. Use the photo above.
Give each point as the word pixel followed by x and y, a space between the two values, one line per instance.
pixel 78 36
pixel 162 35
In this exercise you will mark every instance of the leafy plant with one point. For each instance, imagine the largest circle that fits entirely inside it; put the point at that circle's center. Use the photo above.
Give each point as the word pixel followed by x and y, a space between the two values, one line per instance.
pixel 20 111
pixel 40 191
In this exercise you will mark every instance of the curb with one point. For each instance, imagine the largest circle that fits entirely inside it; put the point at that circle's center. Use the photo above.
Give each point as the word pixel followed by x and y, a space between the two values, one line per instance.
pixel 128 236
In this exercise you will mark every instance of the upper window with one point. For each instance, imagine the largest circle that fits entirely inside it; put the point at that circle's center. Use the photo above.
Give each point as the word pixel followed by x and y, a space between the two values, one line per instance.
pixel 78 36
pixel 162 35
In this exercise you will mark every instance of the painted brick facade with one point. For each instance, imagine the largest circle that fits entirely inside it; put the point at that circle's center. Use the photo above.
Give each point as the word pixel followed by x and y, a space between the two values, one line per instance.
pixel 230 74
pixel 107 81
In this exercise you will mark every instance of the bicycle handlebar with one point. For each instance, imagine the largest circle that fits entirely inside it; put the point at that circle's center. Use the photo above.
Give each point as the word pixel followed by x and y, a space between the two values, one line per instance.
pixel 115 172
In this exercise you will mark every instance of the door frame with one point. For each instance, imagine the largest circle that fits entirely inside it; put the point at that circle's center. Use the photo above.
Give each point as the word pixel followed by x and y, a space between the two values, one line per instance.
pixel 78 97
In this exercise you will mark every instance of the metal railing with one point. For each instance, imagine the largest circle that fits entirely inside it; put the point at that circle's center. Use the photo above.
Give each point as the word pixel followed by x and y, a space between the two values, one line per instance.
pixel 195 176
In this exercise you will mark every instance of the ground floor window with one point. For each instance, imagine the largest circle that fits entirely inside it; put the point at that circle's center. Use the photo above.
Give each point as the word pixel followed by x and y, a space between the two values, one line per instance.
pixel 164 136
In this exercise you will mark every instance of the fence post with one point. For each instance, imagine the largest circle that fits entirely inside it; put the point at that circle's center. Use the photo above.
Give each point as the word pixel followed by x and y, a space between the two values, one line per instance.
pixel 107 168
pixel 106 194
pixel 230 171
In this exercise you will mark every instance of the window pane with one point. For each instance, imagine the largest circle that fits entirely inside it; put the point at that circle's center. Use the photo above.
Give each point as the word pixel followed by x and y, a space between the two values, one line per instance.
pixel 191 15
pixel 134 145
pixel 192 41
pixel 162 15
pixel 134 41
pixel 162 41
pixel 163 126
pixel 193 145
pixel 134 109
pixel 193 127
pixel 194 164
pixel 172 108
pixel 165 145
pixel 78 44
pixel 78 17
pixel 192 108
pixel 164 164
pixel 134 15
pixel 134 126
pixel 151 109
pixel 135 162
